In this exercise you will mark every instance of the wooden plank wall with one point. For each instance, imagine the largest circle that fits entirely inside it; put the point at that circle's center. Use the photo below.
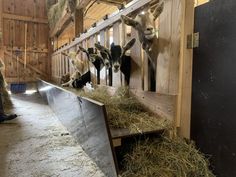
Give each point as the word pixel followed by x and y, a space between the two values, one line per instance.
pixel 25 29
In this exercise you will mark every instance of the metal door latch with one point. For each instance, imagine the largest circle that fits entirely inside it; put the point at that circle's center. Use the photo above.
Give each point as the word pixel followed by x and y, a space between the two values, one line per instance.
pixel 193 40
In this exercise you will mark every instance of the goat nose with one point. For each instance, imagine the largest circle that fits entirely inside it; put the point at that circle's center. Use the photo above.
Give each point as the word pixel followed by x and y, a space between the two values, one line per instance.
pixel 149 29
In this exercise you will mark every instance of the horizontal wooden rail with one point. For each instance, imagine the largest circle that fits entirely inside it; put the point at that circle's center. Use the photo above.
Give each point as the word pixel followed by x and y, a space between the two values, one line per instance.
pixel 24 18
pixel 29 49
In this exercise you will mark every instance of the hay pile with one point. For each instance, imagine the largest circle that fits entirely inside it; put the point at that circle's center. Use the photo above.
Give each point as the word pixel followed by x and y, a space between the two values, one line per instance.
pixel 166 157
pixel 55 12
pixel 125 111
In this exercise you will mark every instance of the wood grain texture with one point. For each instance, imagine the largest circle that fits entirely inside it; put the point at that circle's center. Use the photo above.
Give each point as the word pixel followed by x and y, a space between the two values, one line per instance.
pixel 31 42
pixel 183 113
pixel 161 104
pixel 169 42
pixel 136 78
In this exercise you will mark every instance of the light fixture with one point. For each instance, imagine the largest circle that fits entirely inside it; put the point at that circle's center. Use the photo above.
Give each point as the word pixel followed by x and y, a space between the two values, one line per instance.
pixel 143 12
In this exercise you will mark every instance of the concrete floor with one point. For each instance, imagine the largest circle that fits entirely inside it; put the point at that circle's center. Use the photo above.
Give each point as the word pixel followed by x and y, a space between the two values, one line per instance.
pixel 37 145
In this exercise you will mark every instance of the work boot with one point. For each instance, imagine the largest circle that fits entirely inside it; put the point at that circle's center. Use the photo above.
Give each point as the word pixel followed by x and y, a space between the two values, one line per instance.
pixel 4 117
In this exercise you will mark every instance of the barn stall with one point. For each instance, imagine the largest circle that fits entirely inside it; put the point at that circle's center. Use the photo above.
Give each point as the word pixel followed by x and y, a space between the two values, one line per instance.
pixel 116 117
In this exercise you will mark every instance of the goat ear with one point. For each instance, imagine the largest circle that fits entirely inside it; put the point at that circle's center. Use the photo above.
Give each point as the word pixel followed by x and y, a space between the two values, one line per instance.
pixel 82 49
pixel 129 45
pixel 129 21
pixel 101 48
pixel 158 10
pixel 63 53
pixel 78 51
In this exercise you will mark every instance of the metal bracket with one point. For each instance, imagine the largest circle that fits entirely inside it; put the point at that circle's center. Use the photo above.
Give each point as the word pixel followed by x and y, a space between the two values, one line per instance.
pixel 193 40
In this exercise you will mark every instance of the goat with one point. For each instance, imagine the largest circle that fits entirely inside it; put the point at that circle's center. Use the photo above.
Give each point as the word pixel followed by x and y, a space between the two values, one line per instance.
pixel 77 66
pixel 119 59
pixel 93 58
pixel 144 24
pixel 73 77
pixel 81 81
pixel 97 60
pixel 65 78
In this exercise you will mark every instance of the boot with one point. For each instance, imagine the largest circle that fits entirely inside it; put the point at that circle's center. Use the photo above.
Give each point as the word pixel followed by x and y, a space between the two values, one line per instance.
pixel 3 116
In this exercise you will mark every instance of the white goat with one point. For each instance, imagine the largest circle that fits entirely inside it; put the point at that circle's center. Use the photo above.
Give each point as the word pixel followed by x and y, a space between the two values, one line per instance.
pixel 144 23
pixel 78 66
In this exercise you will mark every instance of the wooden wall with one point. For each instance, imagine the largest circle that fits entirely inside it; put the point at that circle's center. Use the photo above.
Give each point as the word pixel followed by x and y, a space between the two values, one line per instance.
pixel 25 30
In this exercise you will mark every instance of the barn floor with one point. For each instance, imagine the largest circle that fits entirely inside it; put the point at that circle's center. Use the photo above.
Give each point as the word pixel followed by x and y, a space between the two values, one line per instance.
pixel 37 145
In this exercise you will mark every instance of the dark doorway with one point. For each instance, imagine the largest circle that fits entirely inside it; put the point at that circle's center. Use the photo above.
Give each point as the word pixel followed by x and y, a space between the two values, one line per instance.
pixel 213 124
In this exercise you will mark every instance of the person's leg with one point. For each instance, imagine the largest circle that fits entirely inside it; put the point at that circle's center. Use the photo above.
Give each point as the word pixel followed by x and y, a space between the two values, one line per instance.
pixel 3 116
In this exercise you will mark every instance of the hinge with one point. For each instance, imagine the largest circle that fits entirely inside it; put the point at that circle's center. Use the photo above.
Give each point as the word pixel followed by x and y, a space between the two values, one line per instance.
pixel 193 40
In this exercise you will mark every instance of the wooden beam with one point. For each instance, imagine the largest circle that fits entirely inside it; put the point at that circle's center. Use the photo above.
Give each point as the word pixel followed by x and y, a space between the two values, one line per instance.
pixel 29 49
pixel 111 2
pixel 131 7
pixel 161 104
pixel 183 112
pixel 83 4
pixel 61 25
pixel 28 65
pixel 24 18
pixel 79 21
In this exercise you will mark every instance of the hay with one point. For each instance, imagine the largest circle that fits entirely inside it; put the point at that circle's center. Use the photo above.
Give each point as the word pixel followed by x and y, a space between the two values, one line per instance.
pixel 55 12
pixel 125 111
pixel 166 158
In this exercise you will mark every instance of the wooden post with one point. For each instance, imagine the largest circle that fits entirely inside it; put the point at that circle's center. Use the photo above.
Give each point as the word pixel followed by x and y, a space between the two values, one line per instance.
pixel 1 30
pixel 79 21
pixel 25 58
pixel 183 113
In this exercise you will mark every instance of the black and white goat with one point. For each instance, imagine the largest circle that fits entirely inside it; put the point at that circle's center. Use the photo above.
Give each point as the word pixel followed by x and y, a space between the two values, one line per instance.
pixel 119 59
pixel 144 23
pixel 94 58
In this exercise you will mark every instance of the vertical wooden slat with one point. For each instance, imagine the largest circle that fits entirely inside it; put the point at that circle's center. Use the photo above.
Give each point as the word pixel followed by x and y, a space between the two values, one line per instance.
pixel 117 40
pixel 136 80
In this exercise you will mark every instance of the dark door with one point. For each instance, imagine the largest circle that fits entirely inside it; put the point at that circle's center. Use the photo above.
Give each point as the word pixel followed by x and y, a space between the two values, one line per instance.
pixel 213 124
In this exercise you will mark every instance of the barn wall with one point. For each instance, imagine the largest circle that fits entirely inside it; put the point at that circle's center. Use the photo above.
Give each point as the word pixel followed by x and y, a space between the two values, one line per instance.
pixel 25 29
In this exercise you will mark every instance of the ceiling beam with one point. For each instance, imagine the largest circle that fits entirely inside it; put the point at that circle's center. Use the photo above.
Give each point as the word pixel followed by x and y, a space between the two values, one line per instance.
pixel 82 4
pixel 111 2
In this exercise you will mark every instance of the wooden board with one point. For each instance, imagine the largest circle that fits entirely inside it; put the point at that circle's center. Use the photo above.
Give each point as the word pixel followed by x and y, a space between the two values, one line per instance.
pixel 169 42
